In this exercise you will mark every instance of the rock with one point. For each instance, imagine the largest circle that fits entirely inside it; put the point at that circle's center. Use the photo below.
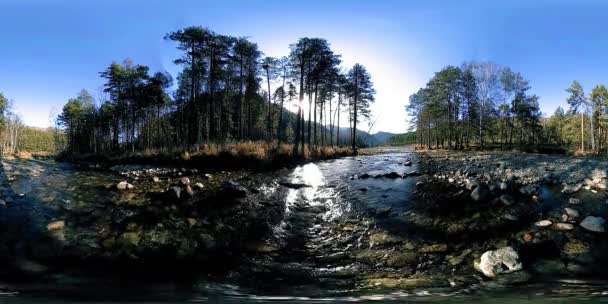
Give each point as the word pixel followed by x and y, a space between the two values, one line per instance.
pixel 156 179
pixel 175 192
pixel 544 223
pixel 383 238
pixel 407 163
pixel 594 224
pixel 191 222
pixel 472 184
pixel 364 176
pixel 511 217
pixel 496 262
pixel 435 248
pixel 124 186
pixel 549 266
pixel 569 189
pixel 572 213
pixel 233 190
pixel 294 185
pixel 507 199
pixel 457 260
pixel 514 278
pixel 398 259
pixel 199 186
pixel 531 189
pixel 481 193
pixel 563 226
pixel 503 186
pixel 574 201
pixel 528 237
pixel 184 181
pixel 56 225
pixel 392 175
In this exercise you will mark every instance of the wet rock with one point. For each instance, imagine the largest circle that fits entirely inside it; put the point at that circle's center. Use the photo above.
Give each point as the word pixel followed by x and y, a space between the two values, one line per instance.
pixel 364 176
pixel 507 199
pixel 496 262
pixel 572 213
pixel 435 248
pixel 514 278
pixel 407 163
pixel 408 283
pixel 594 224
pixel 233 190
pixel 294 185
pixel 543 223
pixel 457 260
pixel 549 266
pixel 480 193
pixel 503 186
pixel 569 189
pixel 124 186
pixel 397 259
pixel 392 175
pixel 563 226
pixel 155 179
pixel 56 225
pixel 529 190
pixel 191 222
pixel 574 201
pixel 383 238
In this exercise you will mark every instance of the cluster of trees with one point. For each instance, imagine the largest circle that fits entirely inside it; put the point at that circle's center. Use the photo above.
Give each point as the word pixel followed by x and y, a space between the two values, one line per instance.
pixel 475 104
pixel 585 124
pixel 227 91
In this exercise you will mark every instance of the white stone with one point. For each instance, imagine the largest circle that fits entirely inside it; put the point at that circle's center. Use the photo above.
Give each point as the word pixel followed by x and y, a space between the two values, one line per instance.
pixel 544 223
pixel 495 262
pixel 594 223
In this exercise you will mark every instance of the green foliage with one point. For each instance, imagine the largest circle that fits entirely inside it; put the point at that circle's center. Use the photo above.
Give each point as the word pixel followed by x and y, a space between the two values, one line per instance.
pixel 37 140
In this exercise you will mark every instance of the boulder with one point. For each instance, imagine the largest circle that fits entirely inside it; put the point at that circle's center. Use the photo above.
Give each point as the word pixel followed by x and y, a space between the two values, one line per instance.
pixel 495 262
pixel 124 186
pixel 233 189
pixel 569 189
pixel 594 224
pixel 392 175
pixel 56 225
pixel 184 181
pixel 572 213
pixel 544 223
pixel 563 226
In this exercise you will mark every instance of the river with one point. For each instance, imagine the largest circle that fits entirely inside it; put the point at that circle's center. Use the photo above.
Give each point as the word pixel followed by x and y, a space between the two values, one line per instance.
pixel 342 238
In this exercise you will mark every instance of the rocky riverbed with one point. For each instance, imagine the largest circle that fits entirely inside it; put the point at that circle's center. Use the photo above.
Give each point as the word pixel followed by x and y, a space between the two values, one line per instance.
pixel 399 224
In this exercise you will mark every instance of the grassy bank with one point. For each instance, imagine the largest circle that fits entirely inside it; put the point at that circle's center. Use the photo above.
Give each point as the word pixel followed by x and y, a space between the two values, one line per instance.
pixel 243 155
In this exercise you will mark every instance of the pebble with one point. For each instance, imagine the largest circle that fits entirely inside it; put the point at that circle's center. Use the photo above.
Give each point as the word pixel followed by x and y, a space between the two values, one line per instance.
pixel 544 223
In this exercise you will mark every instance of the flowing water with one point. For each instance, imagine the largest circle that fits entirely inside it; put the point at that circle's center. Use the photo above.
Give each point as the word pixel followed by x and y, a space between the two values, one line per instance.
pixel 313 254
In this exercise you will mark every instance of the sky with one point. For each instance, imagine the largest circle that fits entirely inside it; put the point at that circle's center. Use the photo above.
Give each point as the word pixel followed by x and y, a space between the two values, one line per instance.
pixel 50 49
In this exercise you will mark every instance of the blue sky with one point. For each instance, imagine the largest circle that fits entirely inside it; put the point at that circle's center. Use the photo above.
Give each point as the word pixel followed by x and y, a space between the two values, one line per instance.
pixel 50 49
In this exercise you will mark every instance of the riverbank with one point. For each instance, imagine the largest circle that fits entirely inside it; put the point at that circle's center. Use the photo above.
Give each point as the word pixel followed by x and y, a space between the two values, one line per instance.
pixel 242 155
pixel 550 209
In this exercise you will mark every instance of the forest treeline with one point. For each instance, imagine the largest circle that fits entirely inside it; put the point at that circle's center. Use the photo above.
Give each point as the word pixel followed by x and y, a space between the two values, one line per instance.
pixel 484 105
pixel 227 92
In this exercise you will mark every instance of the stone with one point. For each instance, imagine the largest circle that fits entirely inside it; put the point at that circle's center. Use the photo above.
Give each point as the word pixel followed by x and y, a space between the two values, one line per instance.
pixel 156 179
pixel 383 238
pixel 199 186
pixel 503 186
pixel 480 194
pixel 594 224
pixel 184 181
pixel 124 186
pixel 457 260
pixel 407 163
pixel 531 189
pixel 398 259
pixel 435 248
pixel 569 189
pixel 572 213
pixel 495 262
pixel 563 226
pixel 543 223
pixel 56 225
pixel 233 190
pixel 507 199
pixel 574 201
pixel 392 175
pixel 191 222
